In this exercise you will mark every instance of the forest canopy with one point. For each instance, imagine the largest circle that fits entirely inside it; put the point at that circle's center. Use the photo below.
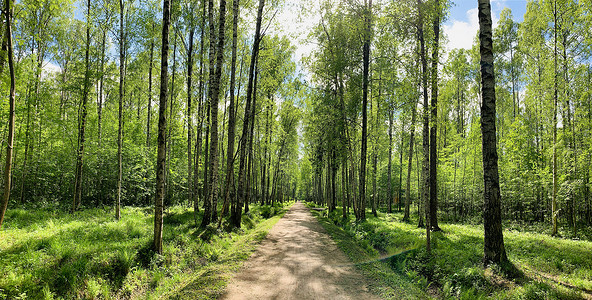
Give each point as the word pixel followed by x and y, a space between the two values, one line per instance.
pixel 211 106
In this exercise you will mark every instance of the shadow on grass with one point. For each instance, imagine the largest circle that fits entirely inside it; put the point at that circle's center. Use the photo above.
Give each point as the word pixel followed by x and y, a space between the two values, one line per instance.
pixel 542 268
pixel 379 270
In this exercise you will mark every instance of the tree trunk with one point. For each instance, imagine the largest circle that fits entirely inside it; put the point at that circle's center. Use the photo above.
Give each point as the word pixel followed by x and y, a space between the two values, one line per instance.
pixel 241 191
pixel 406 217
pixel 265 171
pixel 399 193
pixel 200 110
pixel 80 156
pixel 390 163
pixel 169 143
pixel 120 115
pixel 554 209
pixel 149 111
pixel 4 48
pixel 250 142
pixel 425 174
pixel 494 251
pixel 375 151
pixel 190 191
pixel 25 169
pixel 333 176
pixel 374 170
pixel 212 197
pixel 101 88
pixel 100 112
pixel 366 67
pixel 433 130
pixel 207 206
pixel 11 114
pixel 374 164
pixel 343 188
pixel 161 154
pixel 229 194
pixel 266 188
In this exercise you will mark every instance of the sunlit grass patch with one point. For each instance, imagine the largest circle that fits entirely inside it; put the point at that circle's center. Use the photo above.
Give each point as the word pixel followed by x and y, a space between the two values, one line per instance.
pixel 543 267
pixel 90 255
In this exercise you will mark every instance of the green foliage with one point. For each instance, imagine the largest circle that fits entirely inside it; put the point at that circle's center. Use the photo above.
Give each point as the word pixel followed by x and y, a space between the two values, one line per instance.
pixel 48 254
pixel 268 211
pixel 387 283
pixel 543 267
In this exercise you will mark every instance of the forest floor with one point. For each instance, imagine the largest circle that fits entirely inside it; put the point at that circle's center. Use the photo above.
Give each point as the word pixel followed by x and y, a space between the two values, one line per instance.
pixel 49 253
pixel 392 254
pixel 298 260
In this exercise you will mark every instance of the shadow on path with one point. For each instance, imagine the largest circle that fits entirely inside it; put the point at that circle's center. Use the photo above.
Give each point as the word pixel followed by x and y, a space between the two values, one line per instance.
pixel 298 260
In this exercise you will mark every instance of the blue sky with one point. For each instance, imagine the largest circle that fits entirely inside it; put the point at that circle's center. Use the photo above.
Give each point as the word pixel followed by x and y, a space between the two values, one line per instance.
pixel 462 23
pixel 460 28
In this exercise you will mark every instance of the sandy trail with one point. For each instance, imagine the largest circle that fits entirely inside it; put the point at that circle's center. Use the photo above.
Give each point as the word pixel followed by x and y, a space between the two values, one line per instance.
pixel 298 260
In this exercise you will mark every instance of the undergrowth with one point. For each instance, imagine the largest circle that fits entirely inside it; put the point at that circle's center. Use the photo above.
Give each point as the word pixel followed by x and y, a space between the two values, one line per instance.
pixel 542 267
pixel 48 254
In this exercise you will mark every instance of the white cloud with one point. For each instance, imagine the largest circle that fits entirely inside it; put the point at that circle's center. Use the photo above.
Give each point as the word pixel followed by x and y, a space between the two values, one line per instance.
pixel 296 23
pixel 50 68
pixel 460 34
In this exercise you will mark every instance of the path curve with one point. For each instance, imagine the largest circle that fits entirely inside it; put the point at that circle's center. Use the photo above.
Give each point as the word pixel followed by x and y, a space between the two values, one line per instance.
pixel 298 260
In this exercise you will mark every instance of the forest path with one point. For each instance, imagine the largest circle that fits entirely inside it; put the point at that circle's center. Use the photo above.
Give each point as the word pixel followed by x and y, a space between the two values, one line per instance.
pixel 298 260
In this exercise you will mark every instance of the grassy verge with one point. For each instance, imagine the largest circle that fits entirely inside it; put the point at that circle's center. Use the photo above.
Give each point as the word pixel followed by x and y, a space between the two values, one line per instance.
pixel 544 267
pixel 87 255
pixel 387 283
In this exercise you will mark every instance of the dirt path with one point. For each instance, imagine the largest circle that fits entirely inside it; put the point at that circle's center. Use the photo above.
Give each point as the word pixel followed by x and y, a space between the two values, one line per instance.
pixel 298 260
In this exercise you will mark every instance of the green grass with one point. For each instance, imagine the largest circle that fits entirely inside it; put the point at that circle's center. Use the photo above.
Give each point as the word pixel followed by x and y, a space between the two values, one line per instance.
pixel 388 284
pixel 543 267
pixel 88 255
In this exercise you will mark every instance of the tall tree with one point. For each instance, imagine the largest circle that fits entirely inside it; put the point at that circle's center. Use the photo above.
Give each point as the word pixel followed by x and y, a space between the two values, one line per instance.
pixel 82 126
pixel 494 251
pixel 434 124
pixel 11 112
pixel 361 216
pixel 236 213
pixel 190 191
pixel 554 210
pixel 231 114
pixel 161 154
pixel 200 112
pixel 120 115
pixel 406 216
pixel 149 110
pixel 390 160
pixel 425 186
pixel 214 95
pixel 206 219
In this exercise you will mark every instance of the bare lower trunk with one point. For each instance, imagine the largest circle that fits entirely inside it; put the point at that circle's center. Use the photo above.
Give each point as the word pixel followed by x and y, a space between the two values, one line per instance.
pixel 554 210
pixel 241 191
pixel 161 154
pixel 80 156
pixel 214 95
pixel 11 114
pixel 494 251
pixel 390 163
pixel 149 111
pixel 433 210
pixel 120 115
pixel 229 194
pixel 425 173
pixel 365 70
pixel 190 185
pixel 200 114
pixel 250 143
